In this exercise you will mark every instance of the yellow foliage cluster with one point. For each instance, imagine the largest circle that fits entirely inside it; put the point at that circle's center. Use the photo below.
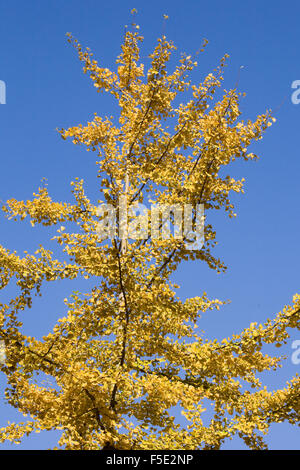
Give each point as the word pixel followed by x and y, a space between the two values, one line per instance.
pixel 127 351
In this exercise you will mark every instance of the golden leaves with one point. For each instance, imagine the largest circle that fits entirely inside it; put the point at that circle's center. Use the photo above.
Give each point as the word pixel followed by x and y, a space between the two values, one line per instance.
pixel 127 350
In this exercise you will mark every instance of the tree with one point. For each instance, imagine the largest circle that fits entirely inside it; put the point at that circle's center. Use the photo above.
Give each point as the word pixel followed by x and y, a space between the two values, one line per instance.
pixel 127 351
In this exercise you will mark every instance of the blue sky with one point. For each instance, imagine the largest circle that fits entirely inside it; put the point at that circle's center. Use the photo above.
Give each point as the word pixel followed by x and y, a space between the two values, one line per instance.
pixel 46 89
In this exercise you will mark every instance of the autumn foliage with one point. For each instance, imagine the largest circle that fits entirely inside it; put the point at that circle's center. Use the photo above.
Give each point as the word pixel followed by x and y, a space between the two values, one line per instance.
pixel 128 351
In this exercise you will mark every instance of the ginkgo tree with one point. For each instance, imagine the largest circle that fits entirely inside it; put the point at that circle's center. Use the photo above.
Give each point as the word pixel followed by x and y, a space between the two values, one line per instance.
pixel 127 352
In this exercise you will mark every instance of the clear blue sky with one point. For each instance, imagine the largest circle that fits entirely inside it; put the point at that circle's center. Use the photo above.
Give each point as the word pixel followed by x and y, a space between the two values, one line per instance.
pixel 46 89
